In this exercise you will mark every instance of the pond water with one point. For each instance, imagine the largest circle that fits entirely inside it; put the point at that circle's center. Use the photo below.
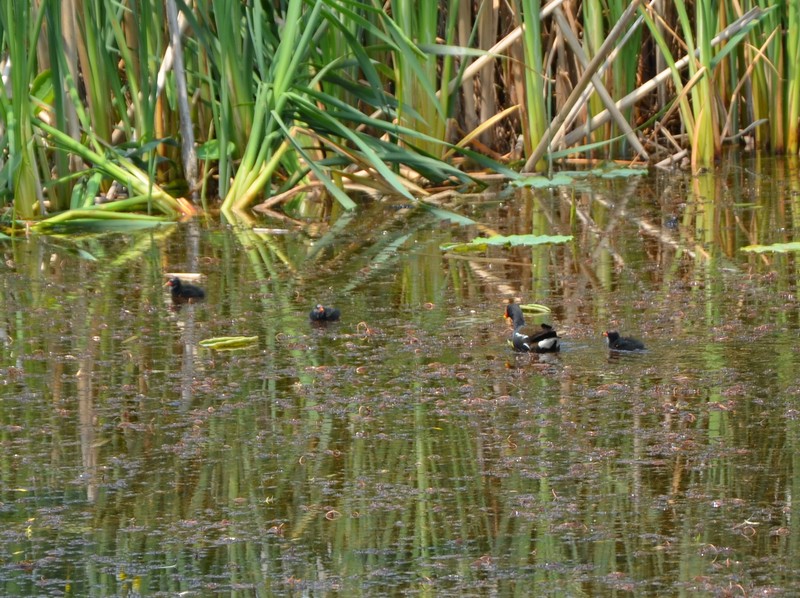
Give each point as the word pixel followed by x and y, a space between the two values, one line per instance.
pixel 406 449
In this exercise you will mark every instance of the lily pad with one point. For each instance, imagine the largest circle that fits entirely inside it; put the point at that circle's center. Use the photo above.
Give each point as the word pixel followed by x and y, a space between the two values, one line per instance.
pixel 774 248
pixel 481 243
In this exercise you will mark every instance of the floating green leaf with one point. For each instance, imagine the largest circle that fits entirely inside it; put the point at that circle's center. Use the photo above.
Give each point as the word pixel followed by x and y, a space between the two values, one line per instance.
pixel 542 182
pixel 570 177
pixel 98 225
pixel 774 248
pixel 534 308
pixel 228 343
pixel 618 173
pixel 480 243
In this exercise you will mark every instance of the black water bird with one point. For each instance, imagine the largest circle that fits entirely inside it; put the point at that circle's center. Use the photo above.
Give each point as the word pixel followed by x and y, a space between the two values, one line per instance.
pixel 320 313
pixel 621 343
pixel 542 340
pixel 183 292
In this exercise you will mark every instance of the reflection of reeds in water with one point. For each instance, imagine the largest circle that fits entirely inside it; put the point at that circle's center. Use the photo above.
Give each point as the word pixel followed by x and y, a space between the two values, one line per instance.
pixel 693 234
pixel 402 454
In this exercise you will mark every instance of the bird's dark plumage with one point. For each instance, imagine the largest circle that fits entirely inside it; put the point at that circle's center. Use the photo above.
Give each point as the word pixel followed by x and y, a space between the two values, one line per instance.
pixel 621 343
pixel 320 313
pixel 543 340
pixel 182 291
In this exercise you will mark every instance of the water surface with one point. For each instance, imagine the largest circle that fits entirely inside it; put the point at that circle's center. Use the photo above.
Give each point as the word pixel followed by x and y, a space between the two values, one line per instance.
pixel 406 449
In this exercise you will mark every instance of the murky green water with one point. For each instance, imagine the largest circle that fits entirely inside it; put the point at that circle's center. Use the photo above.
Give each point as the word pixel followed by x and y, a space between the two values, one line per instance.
pixel 406 450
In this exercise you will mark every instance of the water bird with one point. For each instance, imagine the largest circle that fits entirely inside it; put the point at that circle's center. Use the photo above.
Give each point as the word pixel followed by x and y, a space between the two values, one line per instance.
pixel 543 340
pixel 183 292
pixel 320 313
pixel 621 343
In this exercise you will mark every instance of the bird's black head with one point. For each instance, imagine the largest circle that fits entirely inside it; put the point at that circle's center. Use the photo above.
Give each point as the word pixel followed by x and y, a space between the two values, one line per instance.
pixel 514 313
pixel 611 336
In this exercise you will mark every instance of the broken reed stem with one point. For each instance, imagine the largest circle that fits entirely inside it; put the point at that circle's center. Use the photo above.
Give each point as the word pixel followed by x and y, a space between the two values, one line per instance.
pixel 608 45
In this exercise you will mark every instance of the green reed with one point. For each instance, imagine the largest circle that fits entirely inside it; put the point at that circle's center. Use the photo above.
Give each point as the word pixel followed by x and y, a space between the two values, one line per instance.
pixel 705 136
pixel 793 75
pixel 535 107
pixel 20 176
pixel 623 73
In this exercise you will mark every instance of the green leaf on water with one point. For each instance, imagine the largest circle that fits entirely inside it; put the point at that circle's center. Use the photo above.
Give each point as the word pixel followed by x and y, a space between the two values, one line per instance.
pixel 228 343
pixel 481 243
pixel 542 182
pixel 774 248
pixel 89 225
pixel 534 308
pixel 617 173
pixel 570 177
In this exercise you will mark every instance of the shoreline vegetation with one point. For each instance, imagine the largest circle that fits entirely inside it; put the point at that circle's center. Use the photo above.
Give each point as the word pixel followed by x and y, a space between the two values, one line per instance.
pixel 138 112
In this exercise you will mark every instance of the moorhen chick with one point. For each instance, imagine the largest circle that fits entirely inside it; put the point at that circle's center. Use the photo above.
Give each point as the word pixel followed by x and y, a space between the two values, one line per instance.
pixel 183 292
pixel 320 313
pixel 543 340
pixel 621 343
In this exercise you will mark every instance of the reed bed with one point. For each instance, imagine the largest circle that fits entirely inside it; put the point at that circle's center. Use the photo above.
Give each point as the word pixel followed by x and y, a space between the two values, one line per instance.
pixel 299 104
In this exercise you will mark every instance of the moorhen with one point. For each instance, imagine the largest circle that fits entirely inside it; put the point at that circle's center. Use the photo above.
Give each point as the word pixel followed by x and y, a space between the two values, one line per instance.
pixel 183 292
pixel 544 340
pixel 320 313
pixel 621 343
